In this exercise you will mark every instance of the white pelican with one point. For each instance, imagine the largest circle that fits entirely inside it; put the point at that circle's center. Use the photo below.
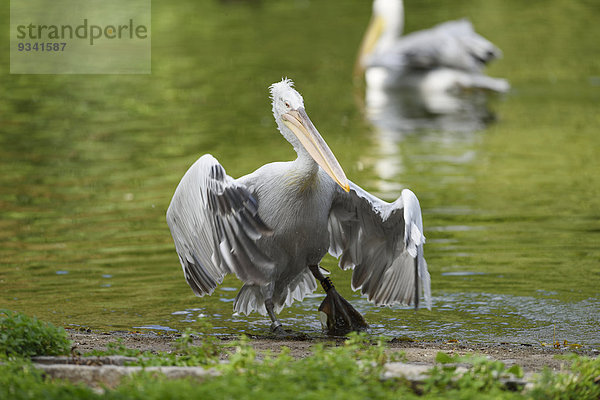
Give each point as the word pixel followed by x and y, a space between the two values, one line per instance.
pixel 272 228
pixel 446 58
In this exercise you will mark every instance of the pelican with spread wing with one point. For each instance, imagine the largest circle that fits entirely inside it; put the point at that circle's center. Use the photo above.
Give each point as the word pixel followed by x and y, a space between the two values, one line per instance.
pixel 271 228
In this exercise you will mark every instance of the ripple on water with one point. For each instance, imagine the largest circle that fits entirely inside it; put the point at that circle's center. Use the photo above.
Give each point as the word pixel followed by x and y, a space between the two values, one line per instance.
pixel 515 319
pixel 156 328
pixel 474 317
pixel 462 273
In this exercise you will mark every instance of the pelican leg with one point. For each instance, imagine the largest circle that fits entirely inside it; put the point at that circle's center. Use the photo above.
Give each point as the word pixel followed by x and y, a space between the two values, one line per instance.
pixel 276 326
pixel 416 283
pixel 339 316
pixel 267 292
pixel 275 323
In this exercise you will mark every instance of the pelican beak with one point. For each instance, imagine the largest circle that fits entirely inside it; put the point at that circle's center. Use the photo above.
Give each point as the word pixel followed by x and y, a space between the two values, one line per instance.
pixel 372 35
pixel 299 123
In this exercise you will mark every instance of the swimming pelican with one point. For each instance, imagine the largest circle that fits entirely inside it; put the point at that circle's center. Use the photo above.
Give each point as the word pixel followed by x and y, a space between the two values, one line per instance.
pixel 448 57
pixel 272 228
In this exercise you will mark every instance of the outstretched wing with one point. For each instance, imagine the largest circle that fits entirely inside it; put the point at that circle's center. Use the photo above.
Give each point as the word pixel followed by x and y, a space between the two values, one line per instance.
pixel 383 242
pixel 215 224
pixel 453 44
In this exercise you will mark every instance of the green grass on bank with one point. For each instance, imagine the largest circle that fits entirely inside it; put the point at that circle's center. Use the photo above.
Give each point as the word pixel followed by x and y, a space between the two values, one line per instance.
pixel 21 335
pixel 353 370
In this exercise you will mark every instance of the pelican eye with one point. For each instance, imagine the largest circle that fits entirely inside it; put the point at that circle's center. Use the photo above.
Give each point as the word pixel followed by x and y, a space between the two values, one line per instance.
pixel 287 104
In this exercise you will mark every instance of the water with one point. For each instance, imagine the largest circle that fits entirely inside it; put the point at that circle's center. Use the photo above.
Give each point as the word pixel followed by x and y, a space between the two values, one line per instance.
pixel 88 165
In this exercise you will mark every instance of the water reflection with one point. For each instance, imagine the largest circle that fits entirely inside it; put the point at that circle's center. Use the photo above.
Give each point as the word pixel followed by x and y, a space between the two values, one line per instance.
pixel 397 153
pixel 410 109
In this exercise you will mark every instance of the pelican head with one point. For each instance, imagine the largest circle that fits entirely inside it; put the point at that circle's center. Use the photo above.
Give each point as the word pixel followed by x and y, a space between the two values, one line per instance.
pixel 385 28
pixel 298 129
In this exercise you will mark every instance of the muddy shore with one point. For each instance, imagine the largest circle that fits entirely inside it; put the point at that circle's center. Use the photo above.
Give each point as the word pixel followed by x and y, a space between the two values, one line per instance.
pixel 531 357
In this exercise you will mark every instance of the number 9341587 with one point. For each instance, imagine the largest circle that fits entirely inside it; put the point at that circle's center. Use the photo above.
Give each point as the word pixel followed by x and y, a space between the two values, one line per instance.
pixel 49 47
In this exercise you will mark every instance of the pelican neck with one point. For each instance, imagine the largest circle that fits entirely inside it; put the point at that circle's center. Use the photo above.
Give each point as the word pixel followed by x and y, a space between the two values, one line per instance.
pixel 305 163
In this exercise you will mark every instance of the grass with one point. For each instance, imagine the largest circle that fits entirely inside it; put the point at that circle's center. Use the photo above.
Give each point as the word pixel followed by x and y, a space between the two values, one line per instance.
pixel 353 370
pixel 21 335
pixel 185 354
pixel 582 382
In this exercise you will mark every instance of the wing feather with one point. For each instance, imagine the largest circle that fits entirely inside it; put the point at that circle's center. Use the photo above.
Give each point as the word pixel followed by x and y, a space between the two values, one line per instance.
pixel 383 242
pixel 215 225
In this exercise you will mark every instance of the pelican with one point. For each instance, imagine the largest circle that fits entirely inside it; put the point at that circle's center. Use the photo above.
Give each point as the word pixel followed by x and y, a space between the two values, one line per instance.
pixel 272 227
pixel 446 58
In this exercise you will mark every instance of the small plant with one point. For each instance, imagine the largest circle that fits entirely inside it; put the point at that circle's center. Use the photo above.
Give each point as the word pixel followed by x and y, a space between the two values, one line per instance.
pixel 21 335
pixel 581 382
pixel 206 352
pixel 350 371
pixel 186 353
pixel 243 356
pixel 483 376
pixel 117 348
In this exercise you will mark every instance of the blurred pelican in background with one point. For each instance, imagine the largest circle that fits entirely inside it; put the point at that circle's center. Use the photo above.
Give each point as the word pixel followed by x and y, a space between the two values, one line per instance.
pixel 429 79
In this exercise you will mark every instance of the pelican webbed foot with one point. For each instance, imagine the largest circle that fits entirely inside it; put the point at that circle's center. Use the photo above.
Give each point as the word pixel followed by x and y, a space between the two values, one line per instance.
pixel 281 333
pixel 337 315
pixel 276 327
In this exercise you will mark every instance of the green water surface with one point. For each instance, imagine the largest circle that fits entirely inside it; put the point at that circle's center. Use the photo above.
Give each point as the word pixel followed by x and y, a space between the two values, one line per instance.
pixel 88 165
